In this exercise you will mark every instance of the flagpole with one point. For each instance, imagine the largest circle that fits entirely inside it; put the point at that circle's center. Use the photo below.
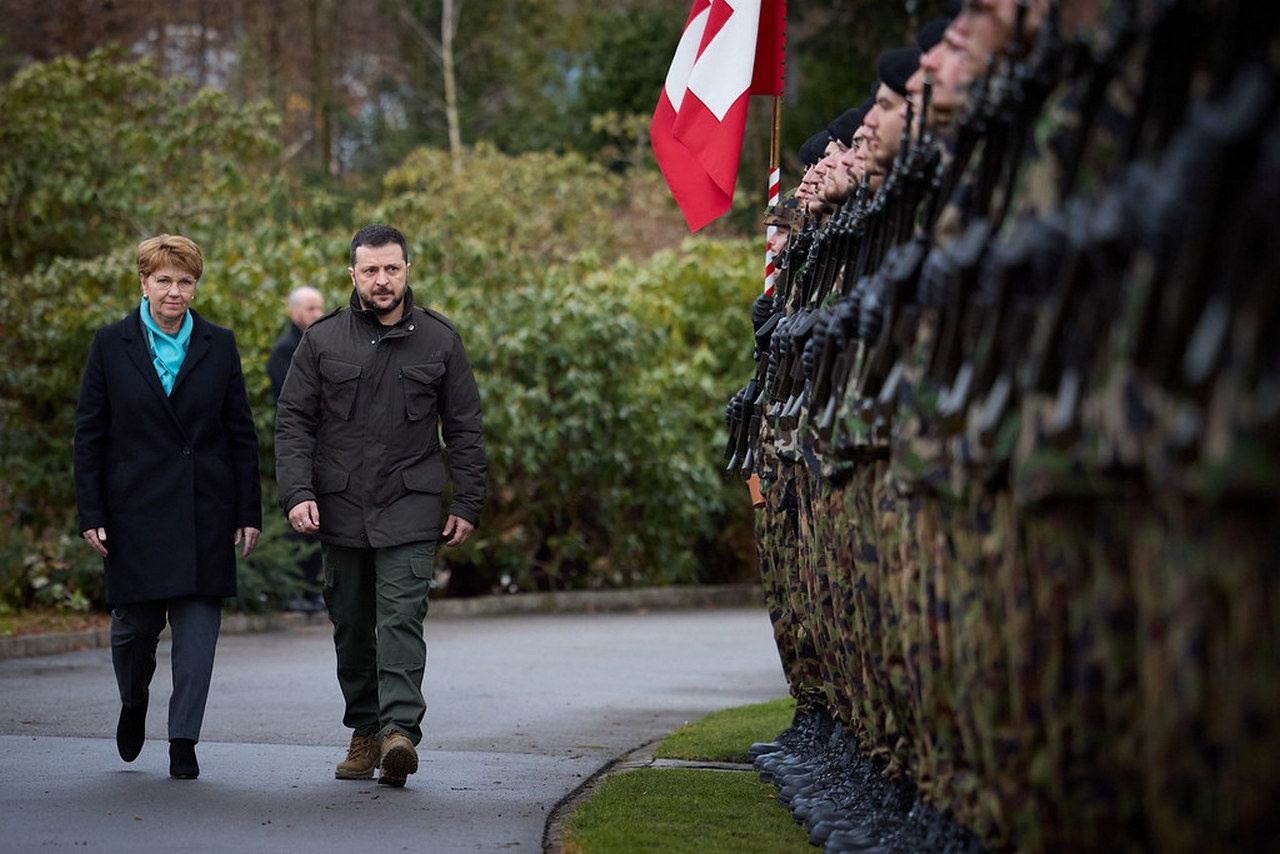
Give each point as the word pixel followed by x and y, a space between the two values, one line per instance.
pixel 773 135
pixel 775 195
pixel 775 190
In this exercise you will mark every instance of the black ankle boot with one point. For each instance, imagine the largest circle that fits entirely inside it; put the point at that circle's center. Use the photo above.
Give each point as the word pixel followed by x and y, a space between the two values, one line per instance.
pixel 131 731
pixel 182 759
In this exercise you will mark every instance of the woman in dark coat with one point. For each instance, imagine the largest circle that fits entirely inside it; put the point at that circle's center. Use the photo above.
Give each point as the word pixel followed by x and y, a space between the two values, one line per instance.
pixel 166 474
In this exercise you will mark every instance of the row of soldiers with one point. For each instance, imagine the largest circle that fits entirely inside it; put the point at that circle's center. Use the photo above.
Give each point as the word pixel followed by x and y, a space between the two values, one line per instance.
pixel 1016 423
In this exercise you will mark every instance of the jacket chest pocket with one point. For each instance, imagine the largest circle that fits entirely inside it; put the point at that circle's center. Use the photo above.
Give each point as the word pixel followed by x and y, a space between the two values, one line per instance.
pixel 339 382
pixel 421 385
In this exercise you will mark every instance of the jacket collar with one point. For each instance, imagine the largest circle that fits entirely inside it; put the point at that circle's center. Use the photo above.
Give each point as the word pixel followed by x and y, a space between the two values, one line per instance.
pixel 369 317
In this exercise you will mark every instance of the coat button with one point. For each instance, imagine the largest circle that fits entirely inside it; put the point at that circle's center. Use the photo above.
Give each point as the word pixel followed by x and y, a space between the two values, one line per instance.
pixel 186 452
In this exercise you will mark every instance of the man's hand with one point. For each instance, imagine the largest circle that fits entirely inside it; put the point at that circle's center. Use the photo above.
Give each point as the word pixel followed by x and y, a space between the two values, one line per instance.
pixel 304 517
pixel 456 531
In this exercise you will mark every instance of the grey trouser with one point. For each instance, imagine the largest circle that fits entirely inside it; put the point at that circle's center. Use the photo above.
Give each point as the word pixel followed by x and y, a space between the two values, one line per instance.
pixel 377 601
pixel 135 633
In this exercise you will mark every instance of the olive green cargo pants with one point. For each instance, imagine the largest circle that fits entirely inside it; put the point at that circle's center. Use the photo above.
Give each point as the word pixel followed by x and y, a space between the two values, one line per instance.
pixel 377 601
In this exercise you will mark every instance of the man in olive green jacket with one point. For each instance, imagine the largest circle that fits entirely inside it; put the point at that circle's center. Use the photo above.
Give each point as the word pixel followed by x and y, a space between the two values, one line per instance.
pixel 377 393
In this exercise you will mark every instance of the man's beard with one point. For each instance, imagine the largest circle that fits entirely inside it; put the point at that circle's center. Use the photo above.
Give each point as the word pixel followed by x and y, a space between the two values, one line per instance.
pixel 380 311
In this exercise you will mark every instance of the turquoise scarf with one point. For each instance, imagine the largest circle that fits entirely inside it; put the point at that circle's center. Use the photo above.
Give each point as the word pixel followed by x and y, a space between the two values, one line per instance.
pixel 167 351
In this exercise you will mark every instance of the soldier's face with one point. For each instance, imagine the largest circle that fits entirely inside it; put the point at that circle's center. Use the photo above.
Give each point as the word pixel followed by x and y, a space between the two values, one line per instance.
pixel 884 121
pixel 852 161
pixel 808 187
pixel 915 90
pixel 864 168
pixel 985 32
pixel 947 66
pixel 811 184
pixel 777 241
pixel 835 184
pixel 812 178
pixel 1005 13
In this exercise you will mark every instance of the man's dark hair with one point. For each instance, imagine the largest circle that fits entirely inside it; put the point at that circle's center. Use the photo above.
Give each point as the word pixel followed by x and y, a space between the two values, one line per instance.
pixel 378 235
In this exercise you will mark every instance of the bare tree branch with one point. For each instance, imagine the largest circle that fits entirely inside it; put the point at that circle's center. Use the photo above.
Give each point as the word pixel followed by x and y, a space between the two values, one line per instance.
pixel 406 16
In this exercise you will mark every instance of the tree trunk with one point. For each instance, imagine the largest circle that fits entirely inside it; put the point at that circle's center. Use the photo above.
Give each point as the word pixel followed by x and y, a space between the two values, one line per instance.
pixel 449 29
pixel 442 52
pixel 323 83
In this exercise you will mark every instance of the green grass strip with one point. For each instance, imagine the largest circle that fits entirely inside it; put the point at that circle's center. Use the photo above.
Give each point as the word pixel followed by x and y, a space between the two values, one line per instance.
pixel 689 809
pixel 683 810
pixel 727 735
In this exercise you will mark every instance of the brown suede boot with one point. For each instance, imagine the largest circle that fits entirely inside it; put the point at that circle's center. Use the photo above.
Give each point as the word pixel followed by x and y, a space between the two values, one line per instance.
pixel 399 759
pixel 362 758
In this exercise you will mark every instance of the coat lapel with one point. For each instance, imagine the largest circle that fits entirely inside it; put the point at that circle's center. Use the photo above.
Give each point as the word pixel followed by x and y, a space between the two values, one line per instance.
pixel 197 349
pixel 135 345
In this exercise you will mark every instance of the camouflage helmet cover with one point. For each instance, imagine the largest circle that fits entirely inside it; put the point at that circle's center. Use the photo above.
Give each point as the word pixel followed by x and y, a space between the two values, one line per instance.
pixel 785 213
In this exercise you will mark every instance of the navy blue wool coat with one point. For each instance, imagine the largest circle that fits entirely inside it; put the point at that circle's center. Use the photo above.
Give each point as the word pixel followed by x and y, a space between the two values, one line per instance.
pixel 170 477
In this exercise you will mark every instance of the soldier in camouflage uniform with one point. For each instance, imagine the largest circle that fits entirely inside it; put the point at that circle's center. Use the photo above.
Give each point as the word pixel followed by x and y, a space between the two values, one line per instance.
pixel 1034 563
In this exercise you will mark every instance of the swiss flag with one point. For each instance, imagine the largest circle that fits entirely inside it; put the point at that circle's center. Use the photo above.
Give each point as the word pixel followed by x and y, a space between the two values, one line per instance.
pixel 730 50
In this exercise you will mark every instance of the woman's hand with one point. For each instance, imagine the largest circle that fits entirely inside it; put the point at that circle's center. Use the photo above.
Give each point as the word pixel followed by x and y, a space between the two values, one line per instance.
pixel 250 537
pixel 96 538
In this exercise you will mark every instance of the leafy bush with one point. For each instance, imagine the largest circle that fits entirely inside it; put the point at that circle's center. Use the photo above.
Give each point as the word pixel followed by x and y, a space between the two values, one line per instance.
pixel 603 377
pixel 53 571
pixel 603 394
pixel 100 151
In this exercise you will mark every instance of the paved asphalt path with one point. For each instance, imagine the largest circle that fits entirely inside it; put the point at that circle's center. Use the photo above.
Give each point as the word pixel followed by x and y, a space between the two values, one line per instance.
pixel 522 709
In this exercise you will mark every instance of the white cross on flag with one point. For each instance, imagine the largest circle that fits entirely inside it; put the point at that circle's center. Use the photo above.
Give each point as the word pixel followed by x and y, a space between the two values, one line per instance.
pixel 730 49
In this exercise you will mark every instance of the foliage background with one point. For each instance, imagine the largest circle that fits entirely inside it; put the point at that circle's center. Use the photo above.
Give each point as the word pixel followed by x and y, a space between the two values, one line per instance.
pixel 603 377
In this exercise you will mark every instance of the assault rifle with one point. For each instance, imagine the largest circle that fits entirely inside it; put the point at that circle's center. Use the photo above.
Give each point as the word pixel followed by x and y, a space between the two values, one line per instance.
pixel 791 366
pixel 839 357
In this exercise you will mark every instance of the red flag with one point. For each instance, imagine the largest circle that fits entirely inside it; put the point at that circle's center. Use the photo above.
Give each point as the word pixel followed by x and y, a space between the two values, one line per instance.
pixel 770 48
pixel 730 49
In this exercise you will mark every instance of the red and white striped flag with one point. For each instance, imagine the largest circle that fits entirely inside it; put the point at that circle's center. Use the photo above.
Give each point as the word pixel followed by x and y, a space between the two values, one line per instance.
pixel 730 50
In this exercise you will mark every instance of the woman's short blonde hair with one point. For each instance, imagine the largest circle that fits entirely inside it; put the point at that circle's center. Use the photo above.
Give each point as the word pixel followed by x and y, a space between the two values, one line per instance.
pixel 169 250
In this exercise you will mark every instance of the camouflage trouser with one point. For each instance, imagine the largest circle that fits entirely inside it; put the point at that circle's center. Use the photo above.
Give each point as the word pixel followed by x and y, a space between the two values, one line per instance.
pixel 834 539
pixel 1207 597
pixel 815 592
pixel 778 546
pixel 870 510
pixel 1073 679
